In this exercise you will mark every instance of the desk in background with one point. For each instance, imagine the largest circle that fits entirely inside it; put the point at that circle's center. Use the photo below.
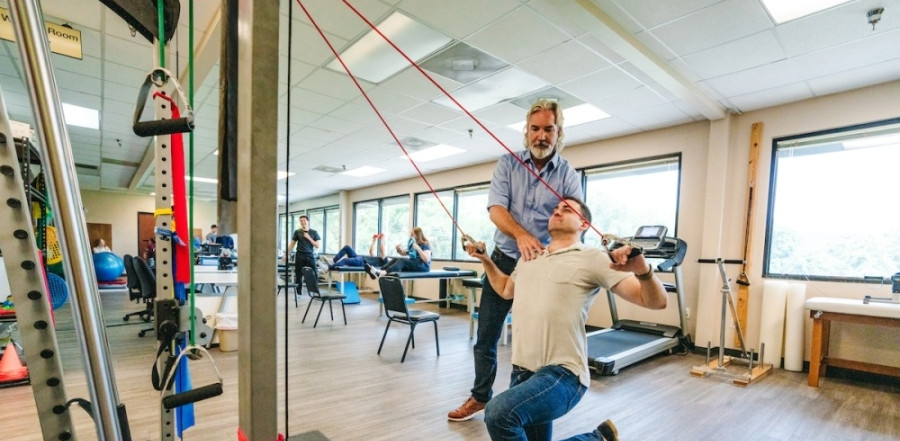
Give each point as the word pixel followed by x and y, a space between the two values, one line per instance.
pixel 824 310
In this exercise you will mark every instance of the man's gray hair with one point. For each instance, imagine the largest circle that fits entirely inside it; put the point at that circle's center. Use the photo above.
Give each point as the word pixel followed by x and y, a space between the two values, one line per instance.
pixel 553 106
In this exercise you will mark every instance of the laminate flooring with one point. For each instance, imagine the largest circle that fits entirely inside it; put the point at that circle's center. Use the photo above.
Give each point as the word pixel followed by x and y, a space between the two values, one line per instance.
pixel 336 384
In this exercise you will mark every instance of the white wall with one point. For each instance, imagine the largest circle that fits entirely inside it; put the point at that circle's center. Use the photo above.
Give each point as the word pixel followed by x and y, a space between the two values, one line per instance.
pixel 121 209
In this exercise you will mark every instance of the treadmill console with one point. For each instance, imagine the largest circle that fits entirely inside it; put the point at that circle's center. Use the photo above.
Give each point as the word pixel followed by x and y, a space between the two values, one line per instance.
pixel 649 237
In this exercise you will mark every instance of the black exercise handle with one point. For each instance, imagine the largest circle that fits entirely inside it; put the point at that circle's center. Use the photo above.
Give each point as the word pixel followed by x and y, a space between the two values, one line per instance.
pixel 163 127
pixel 192 396
pixel 730 261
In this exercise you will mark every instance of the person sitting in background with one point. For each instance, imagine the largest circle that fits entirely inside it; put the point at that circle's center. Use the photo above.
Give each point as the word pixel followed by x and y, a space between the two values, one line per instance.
pixel 100 246
pixel 213 234
pixel 347 255
pixel 418 251
pixel 150 252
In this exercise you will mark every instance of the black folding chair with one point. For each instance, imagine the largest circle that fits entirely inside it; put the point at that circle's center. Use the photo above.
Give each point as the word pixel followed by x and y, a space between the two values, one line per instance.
pixel 396 310
pixel 312 287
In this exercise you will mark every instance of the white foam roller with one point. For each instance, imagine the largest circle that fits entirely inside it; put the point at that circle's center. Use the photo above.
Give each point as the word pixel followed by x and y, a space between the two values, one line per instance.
pixel 771 326
pixel 794 319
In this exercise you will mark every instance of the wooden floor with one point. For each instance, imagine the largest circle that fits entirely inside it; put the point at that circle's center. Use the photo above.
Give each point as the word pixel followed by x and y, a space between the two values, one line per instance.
pixel 338 385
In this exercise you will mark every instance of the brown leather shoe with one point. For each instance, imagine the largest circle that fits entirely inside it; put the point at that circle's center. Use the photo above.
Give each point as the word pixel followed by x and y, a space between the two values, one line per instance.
pixel 608 430
pixel 468 410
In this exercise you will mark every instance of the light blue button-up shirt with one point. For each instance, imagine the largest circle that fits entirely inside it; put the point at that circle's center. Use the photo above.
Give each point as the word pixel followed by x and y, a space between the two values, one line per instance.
pixel 528 200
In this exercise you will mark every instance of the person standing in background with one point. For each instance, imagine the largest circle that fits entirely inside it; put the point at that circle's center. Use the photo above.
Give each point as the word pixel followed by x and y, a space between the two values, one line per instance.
pixel 307 241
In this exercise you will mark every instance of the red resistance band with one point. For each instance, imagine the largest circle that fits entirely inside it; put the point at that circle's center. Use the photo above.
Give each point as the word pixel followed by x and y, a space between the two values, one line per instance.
pixel 179 201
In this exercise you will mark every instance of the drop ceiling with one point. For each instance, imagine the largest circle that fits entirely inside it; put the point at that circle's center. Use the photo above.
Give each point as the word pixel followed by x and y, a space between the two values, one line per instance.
pixel 647 63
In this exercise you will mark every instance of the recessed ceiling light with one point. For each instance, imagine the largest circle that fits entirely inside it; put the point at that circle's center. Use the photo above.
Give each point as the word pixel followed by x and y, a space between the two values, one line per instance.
pixel 81 116
pixel 573 116
pixel 581 114
pixel 374 60
pixel 437 152
pixel 283 174
pixel 782 11
pixel 363 171
pixel 204 180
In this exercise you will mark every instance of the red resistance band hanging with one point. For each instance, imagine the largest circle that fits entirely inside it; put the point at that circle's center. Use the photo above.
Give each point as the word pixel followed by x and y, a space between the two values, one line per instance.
pixel 179 200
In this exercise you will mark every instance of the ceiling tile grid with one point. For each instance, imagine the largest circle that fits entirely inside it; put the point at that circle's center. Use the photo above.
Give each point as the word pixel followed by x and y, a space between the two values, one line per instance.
pixel 648 63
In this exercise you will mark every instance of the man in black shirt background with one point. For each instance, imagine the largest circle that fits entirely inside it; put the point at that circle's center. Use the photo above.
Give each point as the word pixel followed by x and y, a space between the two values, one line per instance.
pixel 307 241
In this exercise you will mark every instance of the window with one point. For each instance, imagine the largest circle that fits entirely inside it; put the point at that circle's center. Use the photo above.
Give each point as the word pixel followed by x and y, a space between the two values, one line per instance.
pixel 624 196
pixel 473 218
pixel 436 223
pixel 388 216
pixel 395 222
pixel 317 222
pixel 327 222
pixel 332 231
pixel 366 224
pixel 832 205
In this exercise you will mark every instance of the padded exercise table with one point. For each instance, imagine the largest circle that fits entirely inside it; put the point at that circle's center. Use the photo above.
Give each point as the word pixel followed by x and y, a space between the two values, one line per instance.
pixel 443 276
pixel 824 310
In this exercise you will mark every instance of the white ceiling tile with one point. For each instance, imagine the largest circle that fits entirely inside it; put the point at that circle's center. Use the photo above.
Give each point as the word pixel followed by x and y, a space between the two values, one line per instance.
pixel 313 101
pixel 562 63
pixel 431 114
pixel 651 13
pixel 714 25
pixel 832 27
pixel 517 35
pixel 843 57
pixel 860 77
pixel 601 84
pixel 129 53
pixel 664 115
pixel 458 19
pixel 829 52
pixel 763 98
pixel 766 76
pixel 630 101
pixel 744 53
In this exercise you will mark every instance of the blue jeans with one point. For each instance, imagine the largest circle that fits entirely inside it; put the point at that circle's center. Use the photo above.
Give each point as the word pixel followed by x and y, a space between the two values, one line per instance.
pixel 347 251
pixel 347 256
pixel 527 409
pixel 492 311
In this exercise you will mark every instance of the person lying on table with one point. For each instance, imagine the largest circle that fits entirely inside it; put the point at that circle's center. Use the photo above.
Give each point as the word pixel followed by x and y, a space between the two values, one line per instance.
pixel 418 253
pixel 347 256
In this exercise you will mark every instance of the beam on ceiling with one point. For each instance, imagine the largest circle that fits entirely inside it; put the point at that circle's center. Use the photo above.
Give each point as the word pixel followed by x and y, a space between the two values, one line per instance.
pixel 599 24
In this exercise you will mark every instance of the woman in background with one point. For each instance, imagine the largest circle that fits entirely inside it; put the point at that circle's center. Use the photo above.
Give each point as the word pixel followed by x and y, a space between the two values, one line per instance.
pixel 100 246
pixel 418 252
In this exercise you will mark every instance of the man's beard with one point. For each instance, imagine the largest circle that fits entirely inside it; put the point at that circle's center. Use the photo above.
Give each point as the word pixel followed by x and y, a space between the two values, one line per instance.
pixel 541 150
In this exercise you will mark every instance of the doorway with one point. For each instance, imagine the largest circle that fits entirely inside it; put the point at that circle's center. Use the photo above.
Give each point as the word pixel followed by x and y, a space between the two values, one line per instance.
pixel 146 226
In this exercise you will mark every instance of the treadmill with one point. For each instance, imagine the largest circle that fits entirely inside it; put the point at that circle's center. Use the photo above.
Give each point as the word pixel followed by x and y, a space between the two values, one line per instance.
pixel 629 341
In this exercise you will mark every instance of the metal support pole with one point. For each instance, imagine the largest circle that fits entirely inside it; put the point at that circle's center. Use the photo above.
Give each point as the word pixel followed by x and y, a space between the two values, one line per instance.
pixel 56 150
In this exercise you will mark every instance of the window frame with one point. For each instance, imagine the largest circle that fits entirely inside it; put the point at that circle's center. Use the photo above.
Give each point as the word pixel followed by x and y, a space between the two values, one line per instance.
pixel 838 134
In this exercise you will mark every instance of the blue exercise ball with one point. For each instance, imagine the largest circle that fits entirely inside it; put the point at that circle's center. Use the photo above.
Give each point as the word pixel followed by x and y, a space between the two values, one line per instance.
pixel 108 266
